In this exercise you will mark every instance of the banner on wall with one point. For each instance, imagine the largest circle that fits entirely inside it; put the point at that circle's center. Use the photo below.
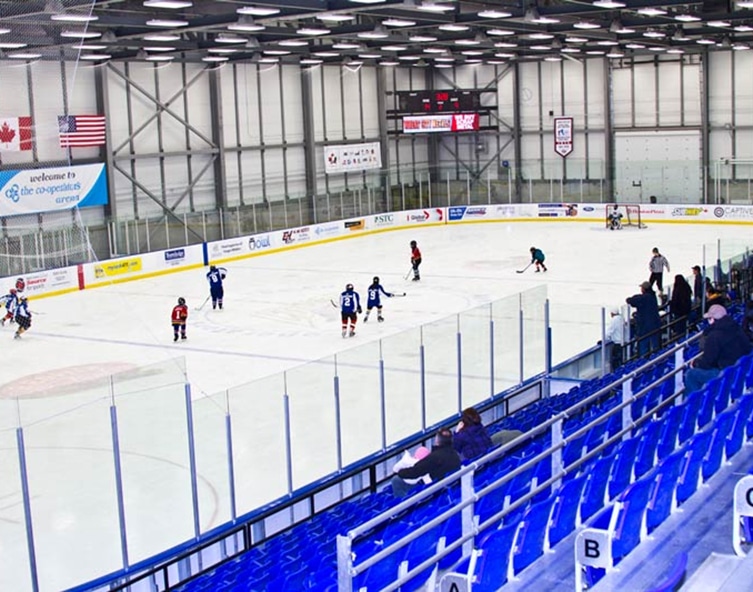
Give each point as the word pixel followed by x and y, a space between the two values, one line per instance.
pixel 450 122
pixel 563 135
pixel 352 157
pixel 60 188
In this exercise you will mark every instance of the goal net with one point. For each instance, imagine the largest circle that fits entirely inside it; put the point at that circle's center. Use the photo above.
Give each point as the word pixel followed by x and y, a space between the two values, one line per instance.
pixel 631 215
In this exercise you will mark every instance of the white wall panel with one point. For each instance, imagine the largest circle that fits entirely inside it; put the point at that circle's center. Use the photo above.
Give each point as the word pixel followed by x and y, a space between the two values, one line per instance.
pixel 670 92
pixel 622 89
pixel 248 103
pixel 645 94
pixel 720 88
pixel 293 103
pixel 296 172
pixel 506 98
pixel 529 97
pixel 594 72
pixel 574 92
pixel 332 108
pixel 692 92
pixel 370 103
pixel 48 104
pixel 350 80
pixel 271 104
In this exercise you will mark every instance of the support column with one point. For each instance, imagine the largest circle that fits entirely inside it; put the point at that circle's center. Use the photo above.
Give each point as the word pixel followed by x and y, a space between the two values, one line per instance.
pixel 309 139
pixel 384 147
pixel 218 164
pixel 705 125
pixel 608 134
pixel 516 134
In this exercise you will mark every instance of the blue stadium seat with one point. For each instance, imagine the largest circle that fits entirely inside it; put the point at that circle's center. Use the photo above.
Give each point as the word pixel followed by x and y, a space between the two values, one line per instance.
pixel 675 577
pixel 494 559
pixel 670 427
pixel 631 507
pixel 594 493
pixel 706 412
pixel 530 539
pixel 663 492
pixel 713 458
pixel 689 479
pixel 692 406
pixel 565 516
pixel 622 469
pixel 646 456
pixel 418 551
pixel 737 434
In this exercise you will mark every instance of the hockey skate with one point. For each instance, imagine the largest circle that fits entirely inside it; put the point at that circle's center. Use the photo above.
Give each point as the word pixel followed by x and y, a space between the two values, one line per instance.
pixel 182 336
pixel 2 321
pixel 380 318
pixel 416 278
pixel 16 336
pixel 352 333
pixel 366 317
pixel 175 338
pixel 345 333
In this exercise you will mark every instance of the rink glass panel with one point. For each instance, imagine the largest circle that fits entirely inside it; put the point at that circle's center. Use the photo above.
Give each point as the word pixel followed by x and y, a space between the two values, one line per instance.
pixel 533 306
pixel 505 314
pixel 402 384
pixel 257 415
pixel 314 437
pixel 69 459
pixel 440 340
pixel 476 355
pixel 575 328
pixel 154 447
pixel 210 414
pixel 15 573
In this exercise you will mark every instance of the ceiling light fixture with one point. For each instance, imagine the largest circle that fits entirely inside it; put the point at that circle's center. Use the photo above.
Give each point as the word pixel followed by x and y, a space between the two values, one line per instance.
pixel 740 46
pixel 276 52
pixel 656 48
pixel 347 45
pixel 313 31
pixel 222 50
pixel 705 41
pixel 500 32
pixel 169 4
pixel 687 18
pixel 570 50
pixel 161 37
pixel 293 43
pixel 94 57
pixel 719 23
pixel 335 17
pixel 651 11
pixel 367 1
pixel 326 54
pixel 675 50
pixel 635 46
pixel 466 42
pixel 396 22
pixel 25 55
pixel 159 58
pixel 70 17
pixel 615 54
pixel 574 39
pixel 81 34
pixel 257 10
pixel 654 34
pixel 587 25
pixel 618 28
pixel 422 38
pixel 310 62
pixel 453 27
pixel 607 43
pixel 541 36
pixel 246 24
pixel 609 4
pixel 532 16
pixel 213 58
pixel 506 44
pixel 743 28
pixel 541 47
pixel 394 48
pixel 369 56
pixel 379 32
pixel 12 45
pixel 229 39
pixel 156 48
pixel 434 7
pixel 166 23
pixel 494 14
pixel 89 47
pixel 389 63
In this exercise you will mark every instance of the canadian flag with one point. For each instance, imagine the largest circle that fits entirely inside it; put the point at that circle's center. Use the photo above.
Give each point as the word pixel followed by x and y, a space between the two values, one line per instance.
pixel 15 134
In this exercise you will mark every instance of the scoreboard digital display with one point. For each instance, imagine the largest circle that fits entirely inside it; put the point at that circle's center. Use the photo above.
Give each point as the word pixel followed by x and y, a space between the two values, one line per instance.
pixel 438 101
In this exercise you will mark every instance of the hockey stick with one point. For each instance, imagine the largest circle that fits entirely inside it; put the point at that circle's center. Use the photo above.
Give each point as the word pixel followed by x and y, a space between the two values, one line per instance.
pixel 410 271
pixel 398 295
pixel 203 303
pixel 522 270
pixel 332 302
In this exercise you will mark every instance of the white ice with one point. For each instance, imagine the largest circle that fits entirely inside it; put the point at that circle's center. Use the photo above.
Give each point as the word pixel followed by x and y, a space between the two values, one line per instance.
pixel 277 317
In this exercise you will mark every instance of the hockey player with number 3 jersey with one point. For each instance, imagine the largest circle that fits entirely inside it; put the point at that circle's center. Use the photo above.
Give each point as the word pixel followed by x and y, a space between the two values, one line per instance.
pixel 374 299
pixel 350 308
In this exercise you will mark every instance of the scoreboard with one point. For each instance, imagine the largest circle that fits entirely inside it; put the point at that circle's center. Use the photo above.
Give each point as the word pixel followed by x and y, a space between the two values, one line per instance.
pixel 438 101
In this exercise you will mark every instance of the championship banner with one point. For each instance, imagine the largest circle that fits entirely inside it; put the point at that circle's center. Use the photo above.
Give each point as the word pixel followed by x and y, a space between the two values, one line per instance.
pixel 450 122
pixel 352 157
pixel 61 188
pixel 563 135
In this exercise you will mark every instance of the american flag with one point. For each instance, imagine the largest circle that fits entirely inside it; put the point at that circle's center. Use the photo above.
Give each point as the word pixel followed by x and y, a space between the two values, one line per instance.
pixel 81 130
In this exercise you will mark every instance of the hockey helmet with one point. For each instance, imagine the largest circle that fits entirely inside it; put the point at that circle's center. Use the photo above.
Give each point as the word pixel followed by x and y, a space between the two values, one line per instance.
pixel 533 249
pixel 376 279
pixel 349 288
pixel 12 290
pixel 212 268
pixel 413 243
pixel 181 301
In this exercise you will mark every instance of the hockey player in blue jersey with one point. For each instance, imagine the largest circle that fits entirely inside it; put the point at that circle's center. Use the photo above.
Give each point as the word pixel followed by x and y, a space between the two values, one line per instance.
pixel 23 317
pixel 10 300
pixel 215 275
pixel 350 308
pixel 374 299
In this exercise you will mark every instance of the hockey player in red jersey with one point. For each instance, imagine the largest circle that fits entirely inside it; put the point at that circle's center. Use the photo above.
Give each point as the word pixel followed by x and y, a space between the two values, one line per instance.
pixel 178 319
pixel 415 260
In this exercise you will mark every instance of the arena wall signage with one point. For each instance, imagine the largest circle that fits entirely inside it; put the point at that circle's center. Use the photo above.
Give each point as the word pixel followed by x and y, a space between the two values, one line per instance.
pixel 352 157
pixel 60 188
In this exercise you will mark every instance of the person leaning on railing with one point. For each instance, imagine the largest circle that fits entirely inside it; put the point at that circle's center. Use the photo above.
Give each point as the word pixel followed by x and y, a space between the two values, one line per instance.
pixel 724 342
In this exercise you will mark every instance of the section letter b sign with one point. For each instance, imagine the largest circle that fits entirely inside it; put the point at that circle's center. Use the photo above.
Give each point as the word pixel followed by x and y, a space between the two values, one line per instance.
pixel 594 548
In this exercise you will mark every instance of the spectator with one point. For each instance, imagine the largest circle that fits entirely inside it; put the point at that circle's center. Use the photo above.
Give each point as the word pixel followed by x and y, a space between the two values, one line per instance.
pixel 646 319
pixel 680 304
pixel 471 439
pixel 441 460
pixel 724 343
pixel 697 285
pixel 408 460
pixel 714 296
pixel 656 265
pixel 616 334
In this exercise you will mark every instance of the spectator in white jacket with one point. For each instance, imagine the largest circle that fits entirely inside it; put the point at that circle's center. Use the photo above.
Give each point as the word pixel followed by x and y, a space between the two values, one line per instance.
pixel 616 335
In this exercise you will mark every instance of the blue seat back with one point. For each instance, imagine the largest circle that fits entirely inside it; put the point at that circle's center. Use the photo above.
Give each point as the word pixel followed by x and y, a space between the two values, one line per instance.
pixel 496 548
pixel 564 517
pixel 670 427
pixel 662 494
pixel 695 450
pixel 713 459
pixel 622 469
pixel 594 492
pixel 529 542
pixel 633 505
pixel 649 440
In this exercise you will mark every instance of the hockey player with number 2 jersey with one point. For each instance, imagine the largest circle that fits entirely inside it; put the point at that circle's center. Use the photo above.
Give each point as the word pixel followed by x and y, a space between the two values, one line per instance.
pixel 10 301
pixel 350 308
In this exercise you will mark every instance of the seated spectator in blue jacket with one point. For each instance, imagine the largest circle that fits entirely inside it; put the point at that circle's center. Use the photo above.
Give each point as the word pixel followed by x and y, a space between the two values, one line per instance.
pixel 724 343
pixel 441 460
pixel 471 439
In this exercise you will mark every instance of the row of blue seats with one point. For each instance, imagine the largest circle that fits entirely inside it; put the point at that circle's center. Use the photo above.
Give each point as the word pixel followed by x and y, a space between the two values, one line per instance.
pixel 286 562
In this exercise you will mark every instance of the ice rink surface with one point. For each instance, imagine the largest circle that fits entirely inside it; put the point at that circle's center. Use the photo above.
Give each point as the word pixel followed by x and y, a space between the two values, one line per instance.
pixel 277 316
pixel 277 307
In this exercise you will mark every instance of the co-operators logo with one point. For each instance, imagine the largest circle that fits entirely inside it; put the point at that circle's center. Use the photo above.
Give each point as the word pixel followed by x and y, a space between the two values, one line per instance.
pixel 12 193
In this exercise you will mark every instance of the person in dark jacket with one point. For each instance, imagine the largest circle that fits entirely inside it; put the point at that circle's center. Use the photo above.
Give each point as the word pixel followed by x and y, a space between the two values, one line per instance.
pixel 471 439
pixel 646 318
pixel 697 285
pixel 724 343
pixel 680 304
pixel 441 460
